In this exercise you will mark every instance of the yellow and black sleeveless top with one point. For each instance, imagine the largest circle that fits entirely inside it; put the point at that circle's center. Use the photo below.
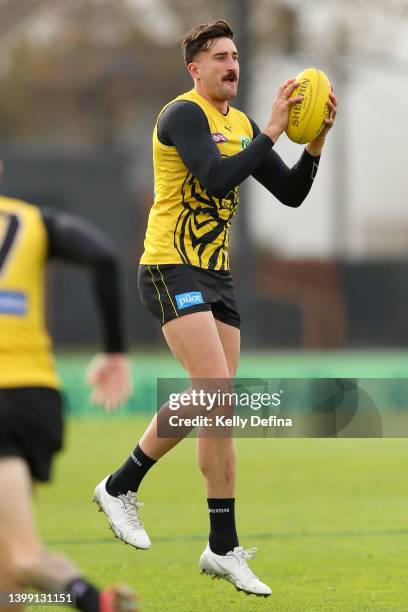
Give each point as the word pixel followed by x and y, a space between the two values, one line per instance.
pixel 25 349
pixel 186 223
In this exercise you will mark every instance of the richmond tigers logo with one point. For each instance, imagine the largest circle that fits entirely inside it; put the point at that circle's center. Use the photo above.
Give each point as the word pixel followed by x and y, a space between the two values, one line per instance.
pixel 202 227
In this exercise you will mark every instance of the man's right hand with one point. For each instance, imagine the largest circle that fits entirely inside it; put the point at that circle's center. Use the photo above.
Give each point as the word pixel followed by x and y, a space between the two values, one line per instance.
pixel 280 109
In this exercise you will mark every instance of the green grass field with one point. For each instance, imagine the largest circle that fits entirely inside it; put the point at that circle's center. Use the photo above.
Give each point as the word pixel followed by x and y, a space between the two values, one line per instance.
pixel 329 517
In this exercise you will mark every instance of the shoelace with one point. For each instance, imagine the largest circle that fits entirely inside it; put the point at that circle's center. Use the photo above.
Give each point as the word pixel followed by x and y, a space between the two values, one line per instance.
pixel 131 509
pixel 242 556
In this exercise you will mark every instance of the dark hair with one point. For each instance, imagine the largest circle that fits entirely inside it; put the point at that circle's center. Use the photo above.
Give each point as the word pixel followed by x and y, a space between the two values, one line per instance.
pixel 201 37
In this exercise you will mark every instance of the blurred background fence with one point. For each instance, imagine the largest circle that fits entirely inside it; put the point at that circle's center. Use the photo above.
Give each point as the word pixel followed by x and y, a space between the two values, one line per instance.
pixel 81 85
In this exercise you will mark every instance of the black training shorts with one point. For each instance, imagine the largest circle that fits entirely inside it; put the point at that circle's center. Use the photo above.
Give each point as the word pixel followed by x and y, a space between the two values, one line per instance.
pixel 31 427
pixel 170 291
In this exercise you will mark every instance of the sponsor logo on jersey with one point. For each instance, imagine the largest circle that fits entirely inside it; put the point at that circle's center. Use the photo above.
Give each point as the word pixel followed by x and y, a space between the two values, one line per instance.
pixel 185 300
pixel 245 141
pixel 219 137
pixel 13 303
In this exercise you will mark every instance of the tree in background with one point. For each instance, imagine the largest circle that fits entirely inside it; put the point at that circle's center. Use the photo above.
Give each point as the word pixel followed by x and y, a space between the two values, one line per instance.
pixel 81 72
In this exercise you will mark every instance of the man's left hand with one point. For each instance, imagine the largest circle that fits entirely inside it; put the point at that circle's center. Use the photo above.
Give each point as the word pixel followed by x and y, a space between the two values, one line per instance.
pixel 315 146
pixel 109 376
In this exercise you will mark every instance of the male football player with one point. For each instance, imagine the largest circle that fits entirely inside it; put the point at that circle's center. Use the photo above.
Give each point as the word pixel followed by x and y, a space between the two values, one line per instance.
pixel 203 149
pixel 31 411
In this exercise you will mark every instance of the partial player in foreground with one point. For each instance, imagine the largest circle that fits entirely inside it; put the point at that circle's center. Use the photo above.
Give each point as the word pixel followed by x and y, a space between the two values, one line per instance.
pixel 31 411
pixel 203 149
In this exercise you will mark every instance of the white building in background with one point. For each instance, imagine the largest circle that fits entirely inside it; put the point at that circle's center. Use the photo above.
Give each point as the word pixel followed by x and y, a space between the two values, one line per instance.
pixel 371 117
pixel 372 125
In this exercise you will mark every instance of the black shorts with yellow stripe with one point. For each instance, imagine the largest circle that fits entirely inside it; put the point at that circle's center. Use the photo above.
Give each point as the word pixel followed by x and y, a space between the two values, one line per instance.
pixel 170 291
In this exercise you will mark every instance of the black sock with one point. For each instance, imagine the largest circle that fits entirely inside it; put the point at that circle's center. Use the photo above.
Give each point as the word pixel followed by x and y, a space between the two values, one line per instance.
pixel 223 533
pixel 130 475
pixel 84 596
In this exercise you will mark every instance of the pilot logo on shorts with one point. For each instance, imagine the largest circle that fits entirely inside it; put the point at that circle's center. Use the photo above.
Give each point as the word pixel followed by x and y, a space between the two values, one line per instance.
pixel 185 300
pixel 218 137
pixel 13 303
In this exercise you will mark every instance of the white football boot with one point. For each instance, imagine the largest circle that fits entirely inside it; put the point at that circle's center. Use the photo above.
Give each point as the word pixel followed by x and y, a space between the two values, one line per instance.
pixel 234 568
pixel 123 516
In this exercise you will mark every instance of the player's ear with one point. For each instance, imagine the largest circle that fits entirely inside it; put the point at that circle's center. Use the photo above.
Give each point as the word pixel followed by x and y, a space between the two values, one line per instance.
pixel 193 70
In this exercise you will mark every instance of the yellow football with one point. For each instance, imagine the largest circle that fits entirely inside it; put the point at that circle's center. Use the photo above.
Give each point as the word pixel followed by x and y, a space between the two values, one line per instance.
pixel 306 118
